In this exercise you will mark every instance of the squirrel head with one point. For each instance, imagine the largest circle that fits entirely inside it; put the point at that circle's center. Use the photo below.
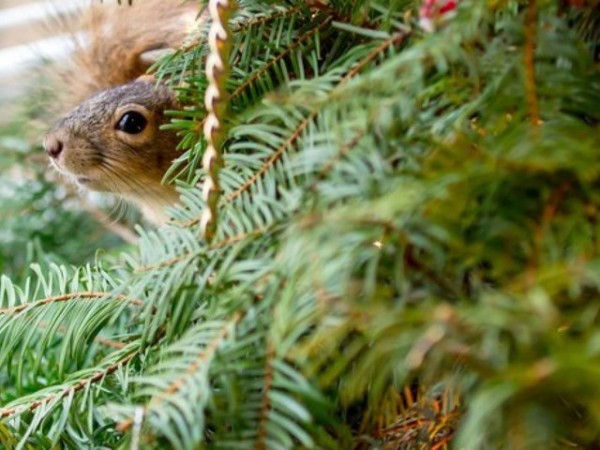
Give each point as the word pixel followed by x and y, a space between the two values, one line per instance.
pixel 111 139
pixel 112 142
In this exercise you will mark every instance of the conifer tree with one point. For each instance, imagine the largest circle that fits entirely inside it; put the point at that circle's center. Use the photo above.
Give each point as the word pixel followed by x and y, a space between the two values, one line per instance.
pixel 404 254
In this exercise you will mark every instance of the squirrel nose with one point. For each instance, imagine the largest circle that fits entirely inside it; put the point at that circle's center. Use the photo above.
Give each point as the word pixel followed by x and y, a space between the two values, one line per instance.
pixel 53 146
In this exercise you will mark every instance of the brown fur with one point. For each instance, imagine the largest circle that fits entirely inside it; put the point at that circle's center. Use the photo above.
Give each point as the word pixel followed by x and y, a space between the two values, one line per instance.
pixel 115 36
pixel 102 84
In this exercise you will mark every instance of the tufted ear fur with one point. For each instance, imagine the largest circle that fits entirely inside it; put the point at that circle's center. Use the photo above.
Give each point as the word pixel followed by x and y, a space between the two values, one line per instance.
pixel 147 78
pixel 115 44
pixel 149 57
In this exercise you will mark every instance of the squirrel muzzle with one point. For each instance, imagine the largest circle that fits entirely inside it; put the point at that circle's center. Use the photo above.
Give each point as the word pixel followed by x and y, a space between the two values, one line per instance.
pixel 112 142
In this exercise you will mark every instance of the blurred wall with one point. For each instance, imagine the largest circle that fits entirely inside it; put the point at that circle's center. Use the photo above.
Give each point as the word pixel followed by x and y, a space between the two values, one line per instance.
pixel 25 39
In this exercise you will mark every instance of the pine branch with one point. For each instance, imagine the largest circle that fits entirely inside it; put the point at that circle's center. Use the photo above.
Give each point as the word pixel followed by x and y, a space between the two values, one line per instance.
pixel 273 61
pixel 68 391
pixel 175 386
pixel 301 127
pixel 214 246
pixel 75 296
pixel 264 19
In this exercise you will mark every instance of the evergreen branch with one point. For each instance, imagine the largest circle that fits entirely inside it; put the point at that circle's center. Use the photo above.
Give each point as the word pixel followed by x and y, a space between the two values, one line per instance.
pixel 209 352
pixel 342 152
pixel 109 343
pixel 176 385
pixel 100 340
pixel 413 263
pixel 382 196
pixel 548 215
pixel 529 56
pixel 310 33
pixel 266 404
pixel 243 26
pixel 216 245
pixel 78 386
pixel 66 298
pixel 393 40
pixel 274 157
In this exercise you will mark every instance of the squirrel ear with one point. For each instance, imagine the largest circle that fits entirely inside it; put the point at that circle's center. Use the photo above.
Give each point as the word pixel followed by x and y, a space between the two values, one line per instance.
pixel 149 57
pixel 147 78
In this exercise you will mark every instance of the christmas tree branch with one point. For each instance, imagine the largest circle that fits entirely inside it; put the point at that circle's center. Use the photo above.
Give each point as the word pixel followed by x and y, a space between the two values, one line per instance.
pixel 78 386
pixel 74 296
pixel 216 245
pixel 300 40
pixel 244 26
pixel 175 386
pixel 394 40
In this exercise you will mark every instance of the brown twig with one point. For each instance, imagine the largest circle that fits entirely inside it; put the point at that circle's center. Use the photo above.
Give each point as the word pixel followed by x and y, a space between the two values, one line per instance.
pixel 279 57
pixel 216 245
pixel 109 343
pixel 343 151
pixel 413 263
pixel 548 214
pixel 68 297
pixel 175 386
pixel 274 157
pixel 78 386
pixel 262 20
pixel 395 39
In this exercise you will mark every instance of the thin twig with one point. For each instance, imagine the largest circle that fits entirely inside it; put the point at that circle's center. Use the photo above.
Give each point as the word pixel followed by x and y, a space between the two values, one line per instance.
pixel 343 151
pixel 216 245
pixel 69 297
pixel 78 386
pixel 274 157
pixel 279 57
pixel 264 19
pixel 177 385
pixel 395 39
pixel 548 215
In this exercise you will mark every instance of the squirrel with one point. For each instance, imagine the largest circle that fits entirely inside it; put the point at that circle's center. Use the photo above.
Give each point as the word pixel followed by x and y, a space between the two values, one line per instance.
pixel 108 138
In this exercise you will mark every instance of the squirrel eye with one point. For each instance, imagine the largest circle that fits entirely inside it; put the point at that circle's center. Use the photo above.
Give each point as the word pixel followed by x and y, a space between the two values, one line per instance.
pixel 132 122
